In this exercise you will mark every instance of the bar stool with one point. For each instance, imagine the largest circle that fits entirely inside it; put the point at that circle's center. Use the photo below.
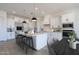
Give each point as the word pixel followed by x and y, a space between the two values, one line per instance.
pixel 31 42
pixel 18 39
pixel 24 42
pixel 27 42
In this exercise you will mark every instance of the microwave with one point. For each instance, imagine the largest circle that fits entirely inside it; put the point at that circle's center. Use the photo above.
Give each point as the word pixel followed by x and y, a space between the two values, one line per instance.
pixel 68 25
pixel 19 28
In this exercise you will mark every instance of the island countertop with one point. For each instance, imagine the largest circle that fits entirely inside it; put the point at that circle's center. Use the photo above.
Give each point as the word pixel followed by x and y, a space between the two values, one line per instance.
pixel 31 34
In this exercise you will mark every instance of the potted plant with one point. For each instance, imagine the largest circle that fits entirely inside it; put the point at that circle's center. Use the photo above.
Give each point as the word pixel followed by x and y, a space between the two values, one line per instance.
pixel 72 36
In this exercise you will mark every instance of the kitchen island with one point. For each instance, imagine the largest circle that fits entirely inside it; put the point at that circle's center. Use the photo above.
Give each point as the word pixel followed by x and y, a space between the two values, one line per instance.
pixel 39 39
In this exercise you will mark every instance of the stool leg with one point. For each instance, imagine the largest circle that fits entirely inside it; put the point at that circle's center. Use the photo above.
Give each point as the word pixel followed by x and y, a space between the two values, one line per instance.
pixel 29 42
pixel 26 50
pixel 32 43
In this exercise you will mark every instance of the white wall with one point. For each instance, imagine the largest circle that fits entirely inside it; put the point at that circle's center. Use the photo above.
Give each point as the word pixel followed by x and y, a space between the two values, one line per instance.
pixel 76 22
pixel 68 17
pixel 3 25
pixel 11 24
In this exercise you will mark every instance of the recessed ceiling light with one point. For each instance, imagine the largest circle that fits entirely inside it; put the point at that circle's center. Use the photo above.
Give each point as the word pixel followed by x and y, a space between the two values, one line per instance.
pixel 36 8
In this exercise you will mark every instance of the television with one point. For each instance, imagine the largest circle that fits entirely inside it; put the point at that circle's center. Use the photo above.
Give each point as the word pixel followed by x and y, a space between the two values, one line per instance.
pixel 19 28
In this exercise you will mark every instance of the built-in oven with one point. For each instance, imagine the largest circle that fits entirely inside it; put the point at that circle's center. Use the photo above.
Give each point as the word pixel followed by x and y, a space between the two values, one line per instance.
pixel 67 28
pixel 19 28
pixel 66 33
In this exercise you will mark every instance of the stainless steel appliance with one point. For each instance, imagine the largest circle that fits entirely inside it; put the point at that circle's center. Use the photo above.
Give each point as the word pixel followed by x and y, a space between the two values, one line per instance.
pixel 66 33
pixel 19 28
pixel 69 25
pixel 67 28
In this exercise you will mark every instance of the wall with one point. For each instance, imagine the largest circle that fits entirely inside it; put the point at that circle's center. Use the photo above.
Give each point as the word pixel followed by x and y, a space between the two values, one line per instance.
pixel 3 25
pixel 11 25
pixel 76 22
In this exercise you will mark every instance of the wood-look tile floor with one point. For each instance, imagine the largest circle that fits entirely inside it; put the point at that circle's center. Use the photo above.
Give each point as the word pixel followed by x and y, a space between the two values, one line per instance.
pixel 11 48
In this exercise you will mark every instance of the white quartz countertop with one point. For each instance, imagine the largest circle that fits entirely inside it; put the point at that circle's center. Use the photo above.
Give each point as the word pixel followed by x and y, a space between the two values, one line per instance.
pixel 31 34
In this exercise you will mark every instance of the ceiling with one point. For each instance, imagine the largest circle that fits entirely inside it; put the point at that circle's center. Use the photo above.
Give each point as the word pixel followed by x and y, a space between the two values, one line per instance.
pixel 36 9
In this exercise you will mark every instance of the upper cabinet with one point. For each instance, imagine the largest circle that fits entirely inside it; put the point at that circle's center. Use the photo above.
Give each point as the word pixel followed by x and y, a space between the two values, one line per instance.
pixel 55 22
pixel 67 18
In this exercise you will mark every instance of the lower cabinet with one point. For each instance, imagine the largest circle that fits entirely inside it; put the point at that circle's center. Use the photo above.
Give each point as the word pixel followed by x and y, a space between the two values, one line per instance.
pixel 55 35
pixel 40 41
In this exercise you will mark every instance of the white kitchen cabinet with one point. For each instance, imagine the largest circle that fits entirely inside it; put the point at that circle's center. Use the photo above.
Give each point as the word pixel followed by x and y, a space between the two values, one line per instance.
pixel 67 18
pixel 55 22
pixel 55 35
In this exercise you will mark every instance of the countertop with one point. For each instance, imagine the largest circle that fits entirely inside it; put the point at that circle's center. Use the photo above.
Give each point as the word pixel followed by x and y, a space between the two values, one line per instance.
pixel 31 34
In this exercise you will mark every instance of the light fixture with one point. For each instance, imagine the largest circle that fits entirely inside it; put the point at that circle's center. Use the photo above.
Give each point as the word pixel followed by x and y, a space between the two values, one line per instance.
pixel 34 19
pixel 24 19
pixel 24 22
pixel 35 9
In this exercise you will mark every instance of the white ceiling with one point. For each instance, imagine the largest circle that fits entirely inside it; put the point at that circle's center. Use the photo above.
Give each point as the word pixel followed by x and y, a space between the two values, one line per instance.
pixel 28 9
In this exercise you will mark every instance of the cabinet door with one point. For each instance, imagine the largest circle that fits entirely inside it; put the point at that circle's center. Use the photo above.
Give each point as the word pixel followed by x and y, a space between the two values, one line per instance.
pixel 55 21
pixel 68 18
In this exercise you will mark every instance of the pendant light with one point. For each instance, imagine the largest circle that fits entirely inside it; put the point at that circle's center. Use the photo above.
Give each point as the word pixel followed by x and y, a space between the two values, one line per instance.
pixel 24 20
pixel 34 18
